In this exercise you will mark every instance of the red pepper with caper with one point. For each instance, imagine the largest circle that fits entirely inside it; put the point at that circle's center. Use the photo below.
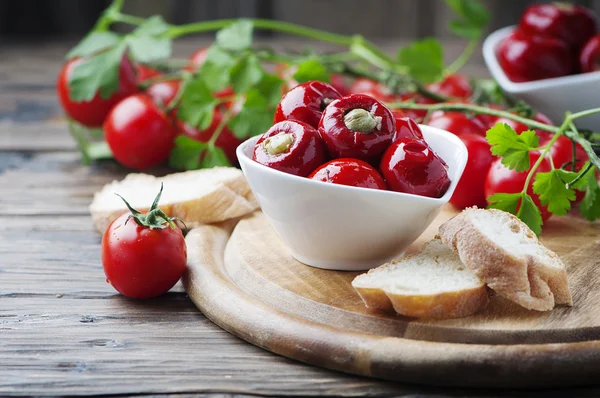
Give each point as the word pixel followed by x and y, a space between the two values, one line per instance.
pixel 357 126
pixel 306 103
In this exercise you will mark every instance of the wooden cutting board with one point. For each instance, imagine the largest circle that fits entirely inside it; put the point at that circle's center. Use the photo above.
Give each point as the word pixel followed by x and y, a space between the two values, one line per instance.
pixel 246 282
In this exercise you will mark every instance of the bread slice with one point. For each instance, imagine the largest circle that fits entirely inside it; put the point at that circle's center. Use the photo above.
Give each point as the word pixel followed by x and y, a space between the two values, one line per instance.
pixel 508 257
pixel 196 197
pixel 432 283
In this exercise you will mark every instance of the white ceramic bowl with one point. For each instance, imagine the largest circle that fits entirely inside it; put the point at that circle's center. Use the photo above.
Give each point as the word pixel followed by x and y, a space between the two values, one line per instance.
pixel 553 97
pixel 347 228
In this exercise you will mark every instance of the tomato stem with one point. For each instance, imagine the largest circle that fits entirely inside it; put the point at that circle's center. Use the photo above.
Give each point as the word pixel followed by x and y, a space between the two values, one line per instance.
pixel 462 58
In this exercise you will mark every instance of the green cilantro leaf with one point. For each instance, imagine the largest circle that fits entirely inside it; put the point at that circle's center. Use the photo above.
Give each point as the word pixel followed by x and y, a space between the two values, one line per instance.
pixel 90 142
pixel 590 204
pixel 197 104
pixel 311 69
pixel 530 214
pixel 100 72
pixel 92 43
pixel 214 156
pixel 553 192
pixel 186 153
pixel 424 59
pixel 246 73
pixel 146 42
pixel 237 36
pixel 270 87
pixel 527 210
pixel 514 148
pixel 215 70
pixel 472 18
pixel 505 201
pixel 254 118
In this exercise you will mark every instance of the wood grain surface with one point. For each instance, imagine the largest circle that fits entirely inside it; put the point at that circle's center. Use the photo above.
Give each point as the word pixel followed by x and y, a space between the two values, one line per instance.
pixel 64 331
pixel 249 284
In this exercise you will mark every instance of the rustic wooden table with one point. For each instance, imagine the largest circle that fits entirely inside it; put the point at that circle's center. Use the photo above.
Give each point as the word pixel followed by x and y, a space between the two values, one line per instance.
pixel 64 330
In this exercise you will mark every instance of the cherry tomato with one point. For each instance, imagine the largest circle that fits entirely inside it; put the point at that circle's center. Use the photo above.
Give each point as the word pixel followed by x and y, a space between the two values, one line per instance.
pixel 407 128
pixel 417 115
pixel 470 189
pixel 500 179
pixel 567 22
pixel 306 103
pixel 457 123
pixel 92 113
pixel 290 146
pixel 589 57
pixel 138 133
pixel 145 72
pixel 347 171
pixel 339 83
pixel 162 93
pixel 528 58
pixel 371 87
pixel 452 86
pixel 197 59
pixel 357 126
pixel 410 166
pixel 140 261
pixel 227 141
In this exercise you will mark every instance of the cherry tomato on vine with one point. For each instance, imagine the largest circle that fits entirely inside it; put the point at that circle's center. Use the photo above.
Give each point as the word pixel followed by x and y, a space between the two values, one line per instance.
pixel 416 115
pixel 457 123
pixel 454 85
pixel 143 256
pixel 501 179
pixel 162 93
pixel 470 189
pixel 197 59
pixel 92 113
pixel 139 134
pixel 145 72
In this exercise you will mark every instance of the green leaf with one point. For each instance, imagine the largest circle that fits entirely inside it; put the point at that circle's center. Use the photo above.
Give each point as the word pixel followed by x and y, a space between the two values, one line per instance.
pixel 246 73
pixel 197 104
pixel 92 43
pixel 237 36
pixel 590 204
pixel 254 118
pixel 215 70
pixel 512 147
pixel 146 42
pixel 505 201
pixel 186 153
pixel 213 157
pixel 90 142
pixel 99 150
pixel 530 214
pixel 553 192
pixel 100 72
pixel 424 59
pixel 527 210
pixel 311 69
pixel 270 87
pixel 473 17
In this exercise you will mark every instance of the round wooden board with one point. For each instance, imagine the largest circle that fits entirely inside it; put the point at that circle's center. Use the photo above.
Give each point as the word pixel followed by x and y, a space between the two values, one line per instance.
pixel 247 283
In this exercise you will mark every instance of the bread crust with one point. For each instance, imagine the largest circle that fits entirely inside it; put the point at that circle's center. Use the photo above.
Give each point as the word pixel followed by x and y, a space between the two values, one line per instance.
pixel 523 279
pixel 229 199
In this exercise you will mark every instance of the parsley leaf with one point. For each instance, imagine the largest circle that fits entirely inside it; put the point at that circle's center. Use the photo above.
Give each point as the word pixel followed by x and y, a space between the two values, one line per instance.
pixel 92 43
pixel 237 36
pixel 146 43
pixel 311 69
pixel 514 148
pixel 186 153
pixel 100 72
pixel 214 156
pixel 528 211
pixel 553 192
pixel 424 59
pixel 254 118
pixel 197 104
pixel 246 73
pixel 473 18
pixel 270 87
pixel 590 204
pixel 215 70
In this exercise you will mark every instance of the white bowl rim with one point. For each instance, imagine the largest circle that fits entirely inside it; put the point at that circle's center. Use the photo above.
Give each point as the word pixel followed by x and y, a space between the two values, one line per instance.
pixel 489 55
pixel 460 167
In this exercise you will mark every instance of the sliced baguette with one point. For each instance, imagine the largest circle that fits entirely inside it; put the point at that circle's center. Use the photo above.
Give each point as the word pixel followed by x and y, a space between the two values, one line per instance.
pixel 196 197
pixel 508 257
pixel 432 283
